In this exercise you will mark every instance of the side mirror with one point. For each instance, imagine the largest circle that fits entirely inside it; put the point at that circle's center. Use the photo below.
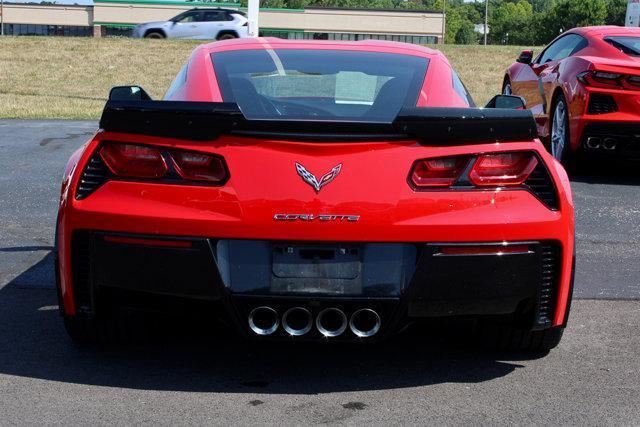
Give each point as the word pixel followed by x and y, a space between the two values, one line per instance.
pixel 128 93
pixel 510 102
pixel 526 56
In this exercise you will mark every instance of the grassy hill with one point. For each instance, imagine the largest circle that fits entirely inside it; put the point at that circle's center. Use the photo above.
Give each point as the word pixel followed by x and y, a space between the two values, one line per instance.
pixel 65 77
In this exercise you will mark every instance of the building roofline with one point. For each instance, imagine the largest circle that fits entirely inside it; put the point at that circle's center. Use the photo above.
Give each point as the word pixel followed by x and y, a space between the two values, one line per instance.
pixel 356 9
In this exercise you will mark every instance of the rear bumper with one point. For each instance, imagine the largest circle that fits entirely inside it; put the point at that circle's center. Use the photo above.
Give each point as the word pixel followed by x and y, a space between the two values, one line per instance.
pixel 402 282
pixel 610 124
pixel 249 205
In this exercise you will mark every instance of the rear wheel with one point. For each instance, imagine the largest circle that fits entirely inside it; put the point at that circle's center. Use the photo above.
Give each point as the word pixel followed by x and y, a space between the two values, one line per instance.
pixel 559 135
pixel 154 35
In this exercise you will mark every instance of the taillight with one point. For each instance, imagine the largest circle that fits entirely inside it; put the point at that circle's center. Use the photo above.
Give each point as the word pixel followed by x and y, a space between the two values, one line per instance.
pixel 133 161
pixel 199 166
pixel 604 79
pixel 438 172
pixel 502 169
pixel 171 165
pixel 634 81
pixel 487 170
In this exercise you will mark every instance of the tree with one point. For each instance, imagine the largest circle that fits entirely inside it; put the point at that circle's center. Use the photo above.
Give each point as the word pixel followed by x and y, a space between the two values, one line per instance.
pixel 567 14
pixel 616 12
pixel 466 34
pixel 510 23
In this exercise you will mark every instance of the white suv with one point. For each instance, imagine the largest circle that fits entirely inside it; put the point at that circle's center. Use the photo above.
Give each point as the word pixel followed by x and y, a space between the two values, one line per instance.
pixel 218 24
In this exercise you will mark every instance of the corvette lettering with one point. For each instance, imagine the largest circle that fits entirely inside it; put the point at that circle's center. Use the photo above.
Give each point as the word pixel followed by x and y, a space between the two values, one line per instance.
pixel 312 217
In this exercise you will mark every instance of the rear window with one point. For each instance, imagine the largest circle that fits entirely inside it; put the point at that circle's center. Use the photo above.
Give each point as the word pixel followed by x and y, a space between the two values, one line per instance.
pixel 319 84
pixel 627 44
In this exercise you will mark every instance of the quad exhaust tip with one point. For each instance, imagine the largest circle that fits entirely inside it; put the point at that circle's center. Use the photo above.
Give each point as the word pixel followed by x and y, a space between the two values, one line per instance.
pixel 609 144
pixel 365 323
pixel 263 320
pixel 297 321
pixel 594 142
pixel 331 322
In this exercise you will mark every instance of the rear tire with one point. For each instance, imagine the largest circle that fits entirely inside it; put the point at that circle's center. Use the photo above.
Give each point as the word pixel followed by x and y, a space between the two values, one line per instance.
pixel 227 36
pixel 154 35
pixel 559 135
pixel 506 338
pixel 113 327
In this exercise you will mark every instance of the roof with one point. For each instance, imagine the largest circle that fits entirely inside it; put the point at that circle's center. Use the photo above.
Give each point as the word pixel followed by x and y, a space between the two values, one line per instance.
pixel 601 30
pixel 368 45
pixel 223 9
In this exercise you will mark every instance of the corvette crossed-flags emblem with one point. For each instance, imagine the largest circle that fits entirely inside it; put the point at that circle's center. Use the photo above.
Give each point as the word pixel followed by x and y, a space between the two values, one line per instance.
pixel 314 182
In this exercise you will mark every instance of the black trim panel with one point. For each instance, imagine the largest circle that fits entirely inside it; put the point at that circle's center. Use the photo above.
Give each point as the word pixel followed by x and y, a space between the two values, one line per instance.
pixel 205 121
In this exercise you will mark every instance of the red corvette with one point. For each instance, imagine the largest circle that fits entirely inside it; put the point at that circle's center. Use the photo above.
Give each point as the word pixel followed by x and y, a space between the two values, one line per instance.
pixel 306 190
pixel 584 91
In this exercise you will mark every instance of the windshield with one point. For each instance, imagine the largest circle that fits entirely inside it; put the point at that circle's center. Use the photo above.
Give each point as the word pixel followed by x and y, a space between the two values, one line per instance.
pixel 319 84
pixel 627 44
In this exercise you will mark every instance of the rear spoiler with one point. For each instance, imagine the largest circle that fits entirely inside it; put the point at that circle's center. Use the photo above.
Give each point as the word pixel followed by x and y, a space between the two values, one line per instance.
pixel 209 120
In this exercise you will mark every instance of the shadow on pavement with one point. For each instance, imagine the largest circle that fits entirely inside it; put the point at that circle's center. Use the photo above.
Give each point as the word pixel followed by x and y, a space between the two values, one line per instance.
pixel 607 171
pixel 33 344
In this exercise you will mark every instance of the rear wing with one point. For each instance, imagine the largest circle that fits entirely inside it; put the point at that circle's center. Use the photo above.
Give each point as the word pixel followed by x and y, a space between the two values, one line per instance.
pixel 210 120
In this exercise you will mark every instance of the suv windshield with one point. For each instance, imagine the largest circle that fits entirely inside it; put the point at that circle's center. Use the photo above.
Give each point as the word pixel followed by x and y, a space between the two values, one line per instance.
pixel 627 44
pixel 319 84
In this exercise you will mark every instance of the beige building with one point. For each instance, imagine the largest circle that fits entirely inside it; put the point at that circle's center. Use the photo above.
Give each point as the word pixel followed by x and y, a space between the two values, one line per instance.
pixel 117 17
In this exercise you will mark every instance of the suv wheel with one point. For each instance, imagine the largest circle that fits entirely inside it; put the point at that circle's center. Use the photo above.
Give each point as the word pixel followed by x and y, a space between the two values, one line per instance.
pixel 154 35
pixel 227 36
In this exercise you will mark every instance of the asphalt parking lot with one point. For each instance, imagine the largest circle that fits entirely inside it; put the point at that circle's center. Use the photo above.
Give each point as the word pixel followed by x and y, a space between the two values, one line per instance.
pixel 593 378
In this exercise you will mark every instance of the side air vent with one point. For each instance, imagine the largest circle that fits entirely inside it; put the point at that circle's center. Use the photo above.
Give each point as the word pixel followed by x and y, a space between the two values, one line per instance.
pixel 549 286
pixel 541 185
pixel 94 175
pixel 601 104
pixel 80 264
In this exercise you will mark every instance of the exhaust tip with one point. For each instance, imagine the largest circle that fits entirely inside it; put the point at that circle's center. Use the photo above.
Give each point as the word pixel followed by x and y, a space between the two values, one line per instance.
pixel 297 321
pixel 365 323
pixel 331 322
pixel 610 144
pixel 593 142
pixel 263 320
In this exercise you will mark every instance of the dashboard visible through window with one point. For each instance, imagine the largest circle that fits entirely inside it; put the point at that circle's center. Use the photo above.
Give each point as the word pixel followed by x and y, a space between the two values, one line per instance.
pixel 320 84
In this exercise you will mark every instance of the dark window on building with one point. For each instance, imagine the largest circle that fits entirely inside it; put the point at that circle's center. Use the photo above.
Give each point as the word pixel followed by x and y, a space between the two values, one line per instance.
pixel 118 31
pixel 283 34
pixel 47 30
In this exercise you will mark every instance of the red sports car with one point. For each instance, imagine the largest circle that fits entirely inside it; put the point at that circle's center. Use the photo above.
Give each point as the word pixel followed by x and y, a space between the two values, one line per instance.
pixel 308 190
pixel 584 91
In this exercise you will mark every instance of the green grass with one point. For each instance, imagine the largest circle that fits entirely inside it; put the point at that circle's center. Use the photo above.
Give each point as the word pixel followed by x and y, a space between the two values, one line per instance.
pixel 64 77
